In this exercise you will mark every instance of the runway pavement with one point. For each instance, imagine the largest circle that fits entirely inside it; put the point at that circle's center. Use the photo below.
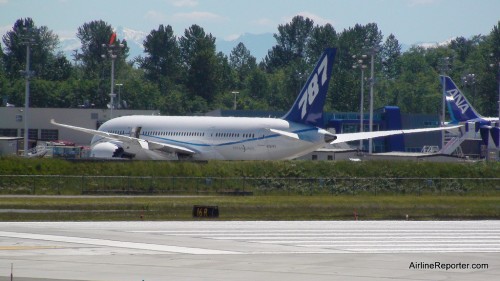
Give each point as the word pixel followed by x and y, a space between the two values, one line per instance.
pixel 257 250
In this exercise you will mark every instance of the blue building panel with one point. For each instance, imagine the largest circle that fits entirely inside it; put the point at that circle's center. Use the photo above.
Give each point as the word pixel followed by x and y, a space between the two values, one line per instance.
pixel 392 121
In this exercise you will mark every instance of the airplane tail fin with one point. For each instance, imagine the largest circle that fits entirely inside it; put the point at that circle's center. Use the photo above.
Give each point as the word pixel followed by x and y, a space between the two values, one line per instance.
pixel 460 108
pixel 308 107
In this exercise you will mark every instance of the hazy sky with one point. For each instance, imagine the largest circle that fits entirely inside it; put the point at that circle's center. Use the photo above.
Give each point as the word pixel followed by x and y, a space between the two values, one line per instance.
pixel 411 21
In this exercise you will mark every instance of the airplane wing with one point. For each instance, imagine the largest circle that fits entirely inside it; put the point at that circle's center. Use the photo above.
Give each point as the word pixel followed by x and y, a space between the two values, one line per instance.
pixel 148 145
pixel 370 135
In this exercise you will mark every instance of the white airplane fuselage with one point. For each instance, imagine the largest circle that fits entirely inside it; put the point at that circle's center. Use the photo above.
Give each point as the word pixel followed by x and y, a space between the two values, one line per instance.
pixel 224 138
pixel 295 134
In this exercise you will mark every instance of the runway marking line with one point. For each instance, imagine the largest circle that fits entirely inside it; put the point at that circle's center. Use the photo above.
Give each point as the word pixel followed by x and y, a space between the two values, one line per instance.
pixel 116 244
pixel 25 248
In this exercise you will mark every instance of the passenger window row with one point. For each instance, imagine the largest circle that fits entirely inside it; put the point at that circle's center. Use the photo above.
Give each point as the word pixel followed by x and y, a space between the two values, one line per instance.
pixel 188 134
pixel 233 135
pixel 184 134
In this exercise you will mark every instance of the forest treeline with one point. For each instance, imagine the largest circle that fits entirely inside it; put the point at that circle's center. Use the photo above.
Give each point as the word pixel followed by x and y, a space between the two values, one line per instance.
pixel 186 75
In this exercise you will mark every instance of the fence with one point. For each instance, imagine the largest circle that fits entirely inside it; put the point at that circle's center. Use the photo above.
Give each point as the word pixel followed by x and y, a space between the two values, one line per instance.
pixel 116 185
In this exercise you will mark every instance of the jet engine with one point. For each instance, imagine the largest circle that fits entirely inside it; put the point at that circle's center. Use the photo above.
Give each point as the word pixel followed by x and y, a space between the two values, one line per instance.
pixel 109 150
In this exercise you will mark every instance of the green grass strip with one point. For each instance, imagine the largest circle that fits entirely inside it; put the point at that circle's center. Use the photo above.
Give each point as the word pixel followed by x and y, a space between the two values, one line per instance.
pixel 54 208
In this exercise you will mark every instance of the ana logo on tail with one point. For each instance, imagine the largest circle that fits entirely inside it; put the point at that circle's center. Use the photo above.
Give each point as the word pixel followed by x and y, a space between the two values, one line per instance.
pixel 460 108
pixel 459 99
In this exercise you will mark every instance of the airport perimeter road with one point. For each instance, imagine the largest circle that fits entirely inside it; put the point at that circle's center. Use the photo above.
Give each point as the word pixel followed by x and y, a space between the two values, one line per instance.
pixel 257 250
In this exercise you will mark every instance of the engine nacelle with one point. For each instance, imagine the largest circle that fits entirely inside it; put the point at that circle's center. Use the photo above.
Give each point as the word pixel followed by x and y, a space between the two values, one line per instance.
pixel 109 150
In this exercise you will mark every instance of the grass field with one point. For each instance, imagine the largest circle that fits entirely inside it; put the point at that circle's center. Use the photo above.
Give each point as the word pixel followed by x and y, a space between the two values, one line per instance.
pixel 267 169
pixel 78 208
pixel 282 190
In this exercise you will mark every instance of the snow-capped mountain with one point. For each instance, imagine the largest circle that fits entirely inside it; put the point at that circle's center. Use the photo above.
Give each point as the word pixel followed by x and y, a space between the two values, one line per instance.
pixel 428 45
pixel 68 46
pixel 134 40
pixel 258 44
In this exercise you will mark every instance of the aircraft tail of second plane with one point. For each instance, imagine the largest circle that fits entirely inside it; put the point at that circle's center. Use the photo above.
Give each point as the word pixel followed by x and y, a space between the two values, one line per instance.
pixel 461 110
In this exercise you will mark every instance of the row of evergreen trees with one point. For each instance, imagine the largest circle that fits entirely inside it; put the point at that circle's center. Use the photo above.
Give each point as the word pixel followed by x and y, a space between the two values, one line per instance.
pixel 186 75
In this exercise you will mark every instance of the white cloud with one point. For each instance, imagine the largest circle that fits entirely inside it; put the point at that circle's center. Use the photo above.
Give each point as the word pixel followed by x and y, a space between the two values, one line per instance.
pixel 66 34
pixel 183 3
pixel 4 29
pixel 317 19
pixel 4 2
pixel 155 16
pixel 264 22
pixel 196 16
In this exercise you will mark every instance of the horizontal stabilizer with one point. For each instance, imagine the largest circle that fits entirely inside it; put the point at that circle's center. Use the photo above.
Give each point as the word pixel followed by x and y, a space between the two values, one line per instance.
pixel 286 134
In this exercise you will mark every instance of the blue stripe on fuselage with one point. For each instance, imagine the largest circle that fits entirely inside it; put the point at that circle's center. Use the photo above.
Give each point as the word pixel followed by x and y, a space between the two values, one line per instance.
pixel 227 143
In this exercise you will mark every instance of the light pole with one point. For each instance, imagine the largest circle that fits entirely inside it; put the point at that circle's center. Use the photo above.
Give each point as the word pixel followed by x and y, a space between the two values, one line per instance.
pixel 360 64
pixel 469 79
pixel 119 94
pixel 76 57
pixel 112 52
pixel 373 50
pixel 235 93
pixel 28 40
pixel 444 66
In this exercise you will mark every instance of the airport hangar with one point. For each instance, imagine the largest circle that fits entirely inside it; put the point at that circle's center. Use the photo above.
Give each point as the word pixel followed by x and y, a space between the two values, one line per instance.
pixel 41 130
pixel 386 118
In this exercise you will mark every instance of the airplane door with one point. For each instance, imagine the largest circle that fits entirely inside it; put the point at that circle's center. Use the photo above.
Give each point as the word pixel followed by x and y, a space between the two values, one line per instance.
pixel 211 150
pixel 136 132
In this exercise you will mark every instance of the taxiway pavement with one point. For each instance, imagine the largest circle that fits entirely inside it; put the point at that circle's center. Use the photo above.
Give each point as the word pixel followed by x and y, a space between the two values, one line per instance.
pixel 255 250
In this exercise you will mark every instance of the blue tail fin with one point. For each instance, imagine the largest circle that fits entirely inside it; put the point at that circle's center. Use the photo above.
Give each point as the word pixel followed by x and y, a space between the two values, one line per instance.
pixel 308 107
pixel 459 107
